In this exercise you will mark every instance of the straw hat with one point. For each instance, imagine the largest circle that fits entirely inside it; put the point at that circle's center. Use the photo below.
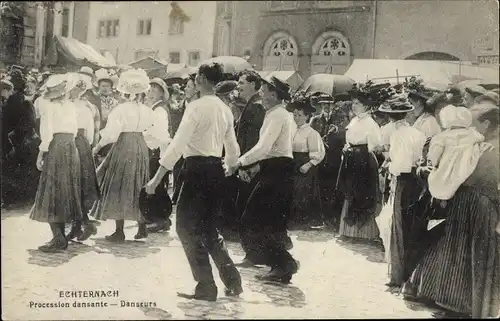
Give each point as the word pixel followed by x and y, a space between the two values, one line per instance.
pixel 133 82
pixel 105 75
pixel 5 83
pixel 279 86
pixel 225 87
pixel 56 86
pixel 489 96
pixel 398 104
pixel 162 85
pixel 86 71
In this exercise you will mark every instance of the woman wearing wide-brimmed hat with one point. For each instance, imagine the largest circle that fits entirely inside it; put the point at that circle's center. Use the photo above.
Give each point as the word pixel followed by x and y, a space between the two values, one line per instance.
pixel 125 170
pixel 308 152
pixel 358 176
pixel 58 199
pixel 395 221
pixel 86 113
pixel 422 116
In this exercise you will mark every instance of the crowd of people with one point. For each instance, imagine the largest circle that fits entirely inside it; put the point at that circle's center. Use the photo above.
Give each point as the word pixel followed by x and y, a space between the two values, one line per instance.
pixel 406 166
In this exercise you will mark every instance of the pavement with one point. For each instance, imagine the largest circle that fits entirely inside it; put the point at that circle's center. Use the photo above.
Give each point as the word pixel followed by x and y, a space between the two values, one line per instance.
pixel 141 278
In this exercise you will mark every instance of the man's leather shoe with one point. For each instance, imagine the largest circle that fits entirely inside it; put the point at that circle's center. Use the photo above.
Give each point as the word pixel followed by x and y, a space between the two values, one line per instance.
pixel 234 291
pixel 198 296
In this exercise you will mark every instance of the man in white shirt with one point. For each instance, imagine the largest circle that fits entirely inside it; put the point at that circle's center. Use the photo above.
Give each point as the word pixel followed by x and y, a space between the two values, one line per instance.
pixel 158 212
pixel 205 129
pixel 264 219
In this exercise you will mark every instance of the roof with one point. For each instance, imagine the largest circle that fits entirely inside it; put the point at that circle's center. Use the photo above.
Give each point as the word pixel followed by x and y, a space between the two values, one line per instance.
pixel 148 63
pixel 431 72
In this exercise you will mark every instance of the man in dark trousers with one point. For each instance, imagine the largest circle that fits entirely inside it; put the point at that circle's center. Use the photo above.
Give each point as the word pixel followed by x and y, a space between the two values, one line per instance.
pixel 204 131
pixel 247 134
pixel 265 215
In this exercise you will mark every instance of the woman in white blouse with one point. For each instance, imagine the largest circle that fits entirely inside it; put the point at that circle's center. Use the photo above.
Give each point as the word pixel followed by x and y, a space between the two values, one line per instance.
pixel 422 116
pixel 403 148
pixel 87 114
pixel 58 198
pixel 308 152
pixel 358 177
pixel 125 170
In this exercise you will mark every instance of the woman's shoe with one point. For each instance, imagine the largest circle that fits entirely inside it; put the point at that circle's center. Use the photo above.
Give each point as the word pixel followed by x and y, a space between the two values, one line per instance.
pixel 76 232
pixel 142 232
pixel 57 244
pixel 89 229
pixel 116 237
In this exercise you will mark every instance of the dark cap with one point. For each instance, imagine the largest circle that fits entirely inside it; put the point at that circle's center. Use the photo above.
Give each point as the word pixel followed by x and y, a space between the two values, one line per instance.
pixel 279 86
pixel 225 87
pixel 342 97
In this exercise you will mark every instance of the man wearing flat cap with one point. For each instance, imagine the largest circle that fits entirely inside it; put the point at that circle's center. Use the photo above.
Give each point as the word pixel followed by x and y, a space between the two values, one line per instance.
pixel 265 215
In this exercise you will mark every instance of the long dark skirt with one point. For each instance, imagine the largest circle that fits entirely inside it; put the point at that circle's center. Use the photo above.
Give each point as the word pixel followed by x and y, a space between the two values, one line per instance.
pixel 359 182
pixel 306 201
pixel 159 205
pixel 58 198
pixel 121 177
pixel 406 194
pixel 461 272
pixel 90 187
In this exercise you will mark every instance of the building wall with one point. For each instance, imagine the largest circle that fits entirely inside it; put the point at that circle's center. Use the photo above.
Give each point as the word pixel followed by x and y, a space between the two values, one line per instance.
pixel 198 32
pixel 29 40
pixel 463 29
pixel 371 29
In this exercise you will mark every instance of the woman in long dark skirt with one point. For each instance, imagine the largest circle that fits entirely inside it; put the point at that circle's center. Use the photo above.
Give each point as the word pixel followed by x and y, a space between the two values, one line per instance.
pixel 461 271
pixel 308 152
pixel 125 170
pixel 86 114
pixel 359 180
pixel 58 198
pixel 405 148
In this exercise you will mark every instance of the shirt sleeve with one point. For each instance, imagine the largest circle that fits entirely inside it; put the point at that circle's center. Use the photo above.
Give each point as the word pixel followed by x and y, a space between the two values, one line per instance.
pixel 316 148
pixel 113 129
pixel 430 127
pixel 269 133
pixel 158 136
pixel 436 149
pixel 46 130
pixel 178 144
pixel 374 136
pixel 231 147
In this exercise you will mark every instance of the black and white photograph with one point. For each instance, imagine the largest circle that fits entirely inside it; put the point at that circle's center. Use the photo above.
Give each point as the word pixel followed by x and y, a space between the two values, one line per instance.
pixel 196 160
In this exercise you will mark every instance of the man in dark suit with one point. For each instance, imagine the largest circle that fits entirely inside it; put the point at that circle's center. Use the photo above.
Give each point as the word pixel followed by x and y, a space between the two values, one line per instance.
pixel 330 125
pixel 247 129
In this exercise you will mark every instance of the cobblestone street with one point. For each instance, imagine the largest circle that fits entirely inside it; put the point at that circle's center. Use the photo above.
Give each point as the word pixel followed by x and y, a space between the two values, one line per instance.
pixel 336 279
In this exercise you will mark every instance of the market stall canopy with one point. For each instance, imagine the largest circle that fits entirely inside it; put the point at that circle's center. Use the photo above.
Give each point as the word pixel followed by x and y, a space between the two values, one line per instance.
pixel 432 72
pixel 230 64
pixel 327 84
pixel 77 53
pixel 179 71
pixel 292 78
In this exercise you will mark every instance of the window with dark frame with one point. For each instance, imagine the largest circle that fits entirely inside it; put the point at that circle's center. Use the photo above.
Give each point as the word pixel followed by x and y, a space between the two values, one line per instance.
pixel 176 26
pixel 194 58
pixel 109 28
pixel 65 22
pixel 175 57
pixel 144 27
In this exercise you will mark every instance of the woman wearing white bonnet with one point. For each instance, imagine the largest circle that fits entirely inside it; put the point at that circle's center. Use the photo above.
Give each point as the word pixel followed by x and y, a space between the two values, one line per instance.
pixel 454 152
pixel 125 170
pixel 58 199
pixel 86 115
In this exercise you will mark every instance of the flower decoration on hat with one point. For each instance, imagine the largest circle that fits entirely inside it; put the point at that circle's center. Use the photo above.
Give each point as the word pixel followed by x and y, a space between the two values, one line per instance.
pixel 371 94
pixel 399 103
pixel 133 81
pixel 105 75
pixel 301 101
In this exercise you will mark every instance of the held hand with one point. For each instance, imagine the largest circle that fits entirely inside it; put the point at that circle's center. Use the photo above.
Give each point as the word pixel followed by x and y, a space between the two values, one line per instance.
pixel 39 162
pixel 346 148
pixel 243 175
pixel 229 171
pixel 305 168
pixel 95 150
pixel 151 187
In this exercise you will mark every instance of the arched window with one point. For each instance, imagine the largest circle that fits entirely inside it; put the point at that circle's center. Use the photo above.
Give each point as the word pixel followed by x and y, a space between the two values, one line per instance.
pixel 280 52
pixel 331 53
pixel 283 47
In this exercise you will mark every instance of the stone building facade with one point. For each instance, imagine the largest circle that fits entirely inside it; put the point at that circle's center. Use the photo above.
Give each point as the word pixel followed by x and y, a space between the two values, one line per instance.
pixel 326 36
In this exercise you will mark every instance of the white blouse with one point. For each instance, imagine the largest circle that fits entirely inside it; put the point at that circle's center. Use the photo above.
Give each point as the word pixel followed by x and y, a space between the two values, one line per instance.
pixel 427 124
pixel 158 136
pixel 127 117
pixel 306 139
pixel 85 115
pixel 363 130
pixel 57 117
pixel 39 105
pixel 406 144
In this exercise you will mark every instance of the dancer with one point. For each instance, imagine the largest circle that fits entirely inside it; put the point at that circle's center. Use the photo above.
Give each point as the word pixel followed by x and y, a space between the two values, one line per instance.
pixel 204 130
pixel 58 199
pixel 264 219
pixel 125 170
pixel 86 113
pixel 157 138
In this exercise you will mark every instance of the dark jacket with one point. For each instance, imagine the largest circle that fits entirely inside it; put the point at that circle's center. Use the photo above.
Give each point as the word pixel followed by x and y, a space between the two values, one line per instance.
pixel 175 117
pixel 320 124
pixel 247 127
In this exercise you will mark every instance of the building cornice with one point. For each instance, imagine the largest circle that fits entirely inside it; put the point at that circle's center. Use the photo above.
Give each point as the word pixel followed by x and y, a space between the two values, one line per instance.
pixel 310 11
